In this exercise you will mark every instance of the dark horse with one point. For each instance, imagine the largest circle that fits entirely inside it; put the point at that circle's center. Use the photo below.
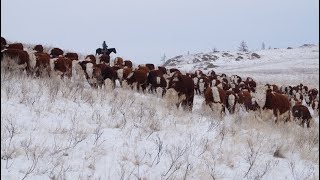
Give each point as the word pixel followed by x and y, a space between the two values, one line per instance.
pixel 109 51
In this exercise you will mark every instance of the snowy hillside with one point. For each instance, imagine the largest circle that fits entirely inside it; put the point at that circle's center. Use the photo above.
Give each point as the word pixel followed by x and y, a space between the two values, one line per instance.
pixel 64 129
pixel 295 65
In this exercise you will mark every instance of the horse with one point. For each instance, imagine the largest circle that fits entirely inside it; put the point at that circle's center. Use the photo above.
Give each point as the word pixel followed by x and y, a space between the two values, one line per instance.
pixel 109 51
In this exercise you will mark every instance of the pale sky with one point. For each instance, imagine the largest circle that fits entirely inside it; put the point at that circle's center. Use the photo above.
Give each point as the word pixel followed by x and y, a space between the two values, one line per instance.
pixel 144 30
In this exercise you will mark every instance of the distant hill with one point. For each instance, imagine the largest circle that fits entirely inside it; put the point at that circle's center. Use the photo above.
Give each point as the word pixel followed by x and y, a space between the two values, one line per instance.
pixel 299 64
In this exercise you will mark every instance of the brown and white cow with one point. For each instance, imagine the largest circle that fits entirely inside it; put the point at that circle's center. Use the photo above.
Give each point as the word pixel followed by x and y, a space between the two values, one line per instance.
pixel 250 84
pixel 215 98
pixel 302 113
pixel 19 59
pixel 185 88
pixel 91 58
pixel 63 67
pixel 231 101
pixel 245 99
pixel 102 72
pixel 278 103
pixel 163 69
pixel 42 66
pixel 118 61
pixel 155 80
pixel 138 78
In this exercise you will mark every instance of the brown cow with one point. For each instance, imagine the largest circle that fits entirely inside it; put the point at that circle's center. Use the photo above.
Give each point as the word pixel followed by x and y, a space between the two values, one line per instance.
pixel 151 75
pixel 72 56
pixel 184 86
pixel 102 72
pixel 139 77
pixel 42 66
pixel 18 46
pixel 128 63
pixel 38 48
pixel 245 99
pixel 156 79
pixel 144 69
pixel 251 84
pixel 301 113
pixel 56 52
pixel 104 59
pixel 18 57
pixel 63 66
pixel 279 103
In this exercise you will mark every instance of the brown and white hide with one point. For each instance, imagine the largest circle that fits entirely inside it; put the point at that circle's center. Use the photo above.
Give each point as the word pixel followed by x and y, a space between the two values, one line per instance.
pixel 215 98
pixel 278 103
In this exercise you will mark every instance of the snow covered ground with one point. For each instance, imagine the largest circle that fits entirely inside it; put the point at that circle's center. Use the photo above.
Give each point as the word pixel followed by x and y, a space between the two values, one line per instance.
pixel 54 129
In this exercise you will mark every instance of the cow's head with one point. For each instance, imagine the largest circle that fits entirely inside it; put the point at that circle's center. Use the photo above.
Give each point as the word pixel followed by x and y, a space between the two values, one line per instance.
pixel 260 95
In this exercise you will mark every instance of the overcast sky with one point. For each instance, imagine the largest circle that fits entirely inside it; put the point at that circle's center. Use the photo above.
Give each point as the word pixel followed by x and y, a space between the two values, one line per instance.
pixel 144 30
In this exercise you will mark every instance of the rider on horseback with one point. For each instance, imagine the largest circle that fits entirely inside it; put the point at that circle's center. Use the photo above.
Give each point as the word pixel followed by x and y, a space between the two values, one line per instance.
pixel 104 48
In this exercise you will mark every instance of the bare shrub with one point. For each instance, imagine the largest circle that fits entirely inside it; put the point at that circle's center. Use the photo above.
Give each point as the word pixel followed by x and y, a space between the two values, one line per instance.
pixel 159 146
pixel 176 163
pixel 8 150
pixel 97 133
pixel 36 153
pixel 298 173
pixel 253 152
pixel 212 169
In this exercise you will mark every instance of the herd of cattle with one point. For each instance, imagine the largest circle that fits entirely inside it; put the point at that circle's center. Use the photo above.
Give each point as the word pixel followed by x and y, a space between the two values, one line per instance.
pixel 220 92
